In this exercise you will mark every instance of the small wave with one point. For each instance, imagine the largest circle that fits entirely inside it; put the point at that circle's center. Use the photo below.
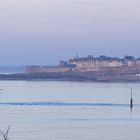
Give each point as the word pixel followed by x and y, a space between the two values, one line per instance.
pixel 63 104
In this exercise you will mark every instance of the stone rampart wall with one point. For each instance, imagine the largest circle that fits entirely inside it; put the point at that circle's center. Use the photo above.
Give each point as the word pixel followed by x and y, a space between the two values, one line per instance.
pixel 32 69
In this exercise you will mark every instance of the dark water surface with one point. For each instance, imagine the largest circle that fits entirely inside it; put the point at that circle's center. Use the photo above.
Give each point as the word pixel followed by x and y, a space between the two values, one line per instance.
pixel 69 110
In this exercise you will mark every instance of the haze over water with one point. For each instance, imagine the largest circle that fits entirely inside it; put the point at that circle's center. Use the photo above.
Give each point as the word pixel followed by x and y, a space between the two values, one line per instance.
pixel 52 110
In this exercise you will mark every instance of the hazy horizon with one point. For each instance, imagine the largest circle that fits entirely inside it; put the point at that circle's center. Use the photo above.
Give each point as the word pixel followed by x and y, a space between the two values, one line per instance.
pixel 42 32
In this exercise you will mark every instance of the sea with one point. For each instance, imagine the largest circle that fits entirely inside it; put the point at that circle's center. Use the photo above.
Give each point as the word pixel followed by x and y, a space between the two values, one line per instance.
pixel 59 110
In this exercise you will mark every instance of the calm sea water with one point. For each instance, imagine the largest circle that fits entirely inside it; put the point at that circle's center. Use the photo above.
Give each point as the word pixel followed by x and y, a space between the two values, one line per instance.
pixel 69 110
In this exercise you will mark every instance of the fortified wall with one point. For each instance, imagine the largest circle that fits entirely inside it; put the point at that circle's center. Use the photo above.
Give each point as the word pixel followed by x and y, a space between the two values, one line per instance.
pixel 44 69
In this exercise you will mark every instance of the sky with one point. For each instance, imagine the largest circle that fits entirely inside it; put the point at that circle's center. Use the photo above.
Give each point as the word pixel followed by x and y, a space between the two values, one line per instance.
pixel 43 32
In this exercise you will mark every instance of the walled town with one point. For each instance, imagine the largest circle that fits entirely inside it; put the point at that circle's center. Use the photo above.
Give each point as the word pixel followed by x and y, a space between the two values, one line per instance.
pixel 90 64
pixel 102 68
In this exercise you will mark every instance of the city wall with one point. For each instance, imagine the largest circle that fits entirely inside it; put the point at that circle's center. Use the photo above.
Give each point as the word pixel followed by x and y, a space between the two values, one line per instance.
pixel 97 65
pixel 39 69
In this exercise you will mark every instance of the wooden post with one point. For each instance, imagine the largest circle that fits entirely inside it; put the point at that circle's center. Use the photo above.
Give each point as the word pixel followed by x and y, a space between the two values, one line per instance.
pixel 131 100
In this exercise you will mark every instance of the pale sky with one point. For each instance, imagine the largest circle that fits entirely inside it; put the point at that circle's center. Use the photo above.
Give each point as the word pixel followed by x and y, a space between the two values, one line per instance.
pixel 42 32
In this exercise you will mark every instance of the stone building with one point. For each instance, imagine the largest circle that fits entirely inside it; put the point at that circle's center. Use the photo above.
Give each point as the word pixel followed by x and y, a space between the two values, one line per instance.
pixel 96 64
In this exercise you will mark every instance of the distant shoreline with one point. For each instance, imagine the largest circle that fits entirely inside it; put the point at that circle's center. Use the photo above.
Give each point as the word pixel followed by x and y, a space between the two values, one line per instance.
pixel 71 76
